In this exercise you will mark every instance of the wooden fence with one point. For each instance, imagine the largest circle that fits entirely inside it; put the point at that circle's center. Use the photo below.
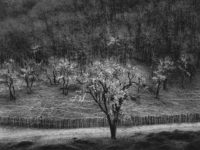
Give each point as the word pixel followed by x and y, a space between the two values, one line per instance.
pixel 97 122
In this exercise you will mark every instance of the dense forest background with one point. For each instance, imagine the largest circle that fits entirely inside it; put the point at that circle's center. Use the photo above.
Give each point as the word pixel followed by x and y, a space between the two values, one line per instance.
pixel 85 30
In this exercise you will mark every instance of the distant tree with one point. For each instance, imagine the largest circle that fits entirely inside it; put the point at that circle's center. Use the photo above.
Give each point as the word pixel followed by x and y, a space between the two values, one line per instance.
pixel 158 79
pixel 187 70
pixel 30 74
pixel 52 71
pixel 67 74
pixel 8 76
pixel 161 74
pixel 108 83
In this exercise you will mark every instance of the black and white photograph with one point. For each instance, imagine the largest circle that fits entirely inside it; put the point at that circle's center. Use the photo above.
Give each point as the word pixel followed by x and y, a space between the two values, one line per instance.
pixel 99 75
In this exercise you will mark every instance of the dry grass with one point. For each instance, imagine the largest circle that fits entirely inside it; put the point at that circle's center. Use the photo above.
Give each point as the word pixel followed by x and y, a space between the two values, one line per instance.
pixel 48 101
pixel 157 139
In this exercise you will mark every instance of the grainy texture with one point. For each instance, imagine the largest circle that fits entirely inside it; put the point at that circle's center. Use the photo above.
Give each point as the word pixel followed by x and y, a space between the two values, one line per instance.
pixel 97 122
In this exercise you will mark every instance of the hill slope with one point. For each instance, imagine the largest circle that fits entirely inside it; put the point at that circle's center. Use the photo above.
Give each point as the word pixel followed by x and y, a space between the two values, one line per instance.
pixel 47 101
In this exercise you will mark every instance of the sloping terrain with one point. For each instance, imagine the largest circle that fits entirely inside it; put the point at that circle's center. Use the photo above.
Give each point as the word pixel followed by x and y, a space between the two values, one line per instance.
pixel 48 102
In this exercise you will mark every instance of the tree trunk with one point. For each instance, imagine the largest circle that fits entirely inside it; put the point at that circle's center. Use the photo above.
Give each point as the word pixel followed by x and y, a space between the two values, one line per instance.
pixel 165 84
pixel 54 78
pixel 13 89
pixel 12 92
pixel 113 127
pixel 11 95
pixel 27 84
pixel 138 89
pixel 65 90
pixel 65 87
pixel 113 130
pixel 182 81
pixel 158 89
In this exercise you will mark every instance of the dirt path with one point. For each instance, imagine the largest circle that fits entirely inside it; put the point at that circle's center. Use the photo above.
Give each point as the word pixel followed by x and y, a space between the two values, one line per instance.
pixel 13 134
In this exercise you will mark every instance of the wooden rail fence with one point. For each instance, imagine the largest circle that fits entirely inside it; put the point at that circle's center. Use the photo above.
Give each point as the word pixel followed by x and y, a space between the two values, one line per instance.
pixel 97 122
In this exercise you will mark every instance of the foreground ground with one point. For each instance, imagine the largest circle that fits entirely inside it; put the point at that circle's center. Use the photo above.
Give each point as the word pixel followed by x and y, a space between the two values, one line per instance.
pixel 158 137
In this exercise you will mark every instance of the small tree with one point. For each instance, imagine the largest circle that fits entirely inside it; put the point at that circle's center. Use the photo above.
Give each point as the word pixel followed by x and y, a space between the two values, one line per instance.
pixel 164 68
pixel 158 79
pixel 8 77
pixel 67 74
pixel 108 83
pixel 185 68
pixel 30 73
pixel 136 75
pixel 52 72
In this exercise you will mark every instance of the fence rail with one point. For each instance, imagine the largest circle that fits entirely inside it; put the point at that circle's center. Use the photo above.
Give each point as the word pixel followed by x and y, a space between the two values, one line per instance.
pixel 97 122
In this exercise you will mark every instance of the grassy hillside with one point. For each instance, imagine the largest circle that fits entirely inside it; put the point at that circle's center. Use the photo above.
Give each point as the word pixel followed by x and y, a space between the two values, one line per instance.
pixel 48 102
